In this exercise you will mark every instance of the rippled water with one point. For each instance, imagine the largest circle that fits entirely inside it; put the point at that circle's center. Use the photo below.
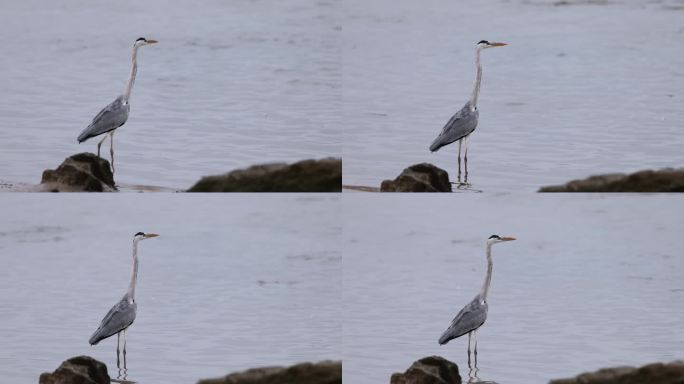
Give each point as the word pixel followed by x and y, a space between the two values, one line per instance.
pixel 230 84
pixel 581 89
pixel 591 282
pixel 254 283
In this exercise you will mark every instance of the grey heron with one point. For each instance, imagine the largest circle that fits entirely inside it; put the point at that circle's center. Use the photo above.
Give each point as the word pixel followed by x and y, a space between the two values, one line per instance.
pixel 474 314
pixel 122 314
pixel 115 114
pixel 464 122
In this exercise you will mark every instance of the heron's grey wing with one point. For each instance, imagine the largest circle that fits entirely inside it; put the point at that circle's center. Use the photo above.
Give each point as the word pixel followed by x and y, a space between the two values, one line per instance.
pixel 461 124
pixel 471 317
pixel 117 319
pixel 110 117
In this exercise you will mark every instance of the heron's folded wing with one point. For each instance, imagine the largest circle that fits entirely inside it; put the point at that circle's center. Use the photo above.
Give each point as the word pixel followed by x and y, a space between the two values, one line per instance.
pixel 468 319
pixel 110 117
pixel 119 317
pixel 461 124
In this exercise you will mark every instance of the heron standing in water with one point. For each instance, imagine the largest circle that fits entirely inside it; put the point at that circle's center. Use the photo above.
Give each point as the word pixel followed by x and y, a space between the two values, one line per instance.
pixel 464 122
pixel 474 314
pixel 115 114
pixel 122 315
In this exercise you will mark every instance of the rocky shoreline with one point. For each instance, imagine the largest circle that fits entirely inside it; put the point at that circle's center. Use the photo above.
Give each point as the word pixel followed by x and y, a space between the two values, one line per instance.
pixel 86 172
pixel 426 177
pixel 86 370
pixel 427 370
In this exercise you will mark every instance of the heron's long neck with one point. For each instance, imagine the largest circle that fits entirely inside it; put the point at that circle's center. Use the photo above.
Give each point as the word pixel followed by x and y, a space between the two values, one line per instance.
pixel 478 78
pixel 134 71
pixel 488 277
pixel 134 274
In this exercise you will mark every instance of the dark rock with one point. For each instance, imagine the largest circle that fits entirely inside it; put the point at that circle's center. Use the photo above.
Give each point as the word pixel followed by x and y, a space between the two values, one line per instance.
pixel 429 370
pixel 323 175
pixel 657 373
pixel 80 172
pixel 664 180
pixel 324 372
pixel 77 370
pixel 423 177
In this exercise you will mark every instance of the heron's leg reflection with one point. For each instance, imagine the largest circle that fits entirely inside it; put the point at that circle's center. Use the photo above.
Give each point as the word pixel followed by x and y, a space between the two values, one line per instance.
pixel 111 153
pixel 118 337
pixel 99 144
pixel 124 332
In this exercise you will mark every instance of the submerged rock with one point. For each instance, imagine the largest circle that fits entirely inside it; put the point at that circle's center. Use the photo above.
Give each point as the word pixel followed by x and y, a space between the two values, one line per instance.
pixel 324 372
pixel 664 180
pixel 423 177
pixel 81 172
pixel 77 370
pixel 323 175
pixel 657 373
pixel 429 370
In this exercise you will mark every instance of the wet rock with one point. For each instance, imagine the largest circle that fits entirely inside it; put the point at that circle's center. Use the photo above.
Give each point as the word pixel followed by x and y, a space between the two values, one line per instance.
pixel 657 373
pixel 81 172
pixel 77 370
pixel 664 180
pixel 429 370
pixel 324 372
pixel 423 177
pixel 323 175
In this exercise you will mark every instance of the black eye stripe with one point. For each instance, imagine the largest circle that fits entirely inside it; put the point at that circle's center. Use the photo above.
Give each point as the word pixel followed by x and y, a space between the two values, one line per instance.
pixel 483 42
pixel 494 237
pixel 139 234
pixel 141 39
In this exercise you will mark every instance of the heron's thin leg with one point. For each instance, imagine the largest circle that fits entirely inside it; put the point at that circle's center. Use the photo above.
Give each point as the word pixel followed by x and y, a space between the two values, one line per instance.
pixel 111 152
pixel 118 338
pixel 474 337
pixel 99 144
pixel 459 160
pixel 469 335
pixel 124 332
pixel 465 159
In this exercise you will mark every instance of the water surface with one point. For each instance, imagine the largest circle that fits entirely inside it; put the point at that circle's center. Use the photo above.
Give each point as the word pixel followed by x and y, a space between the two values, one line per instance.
pixel 229 285
pixel 230 84
pixel 584 88
pixel 591 282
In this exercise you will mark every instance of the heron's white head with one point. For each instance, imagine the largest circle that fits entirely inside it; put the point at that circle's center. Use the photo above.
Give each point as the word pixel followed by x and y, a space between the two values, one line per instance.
pixel 484 44
pixel 493 239
pixel 143 41
pixel 142 236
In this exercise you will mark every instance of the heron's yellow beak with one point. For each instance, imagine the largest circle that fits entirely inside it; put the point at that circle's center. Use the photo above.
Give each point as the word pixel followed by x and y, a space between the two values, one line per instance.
pixel 507 238
pixel 492 45
pixel 152 41
pixel 151 235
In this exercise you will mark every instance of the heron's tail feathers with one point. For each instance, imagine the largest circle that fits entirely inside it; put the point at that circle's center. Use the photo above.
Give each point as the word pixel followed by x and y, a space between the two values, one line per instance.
pixel 446 336
pixel 83 136
pixel 96 337
pixel 439 142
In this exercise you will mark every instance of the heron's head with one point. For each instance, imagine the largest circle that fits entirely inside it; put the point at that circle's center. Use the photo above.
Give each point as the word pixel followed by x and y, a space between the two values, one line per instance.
pixel 142 236
pixel 493 239
pixel 484 44
pixel 143 41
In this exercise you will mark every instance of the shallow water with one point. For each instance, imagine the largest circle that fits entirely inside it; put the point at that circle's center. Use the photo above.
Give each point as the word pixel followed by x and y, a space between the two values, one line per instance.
pixel 581 89
pixel 591 282
pixel 230 84
pixel 255 283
